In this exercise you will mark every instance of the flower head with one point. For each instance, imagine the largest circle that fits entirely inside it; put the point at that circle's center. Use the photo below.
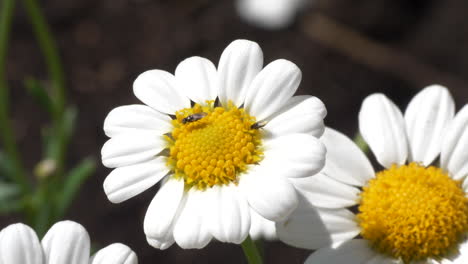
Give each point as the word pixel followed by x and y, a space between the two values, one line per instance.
pixel 415 210
pixel 66 242
pixel 224 143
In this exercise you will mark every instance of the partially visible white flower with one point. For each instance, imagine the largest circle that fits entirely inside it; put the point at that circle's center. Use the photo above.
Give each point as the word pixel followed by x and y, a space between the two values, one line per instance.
pixel 415 210
pixel 66 242
pixel 270 14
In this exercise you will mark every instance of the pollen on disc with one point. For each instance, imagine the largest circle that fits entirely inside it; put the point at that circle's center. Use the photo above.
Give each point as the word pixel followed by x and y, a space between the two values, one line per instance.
pixel 413 213
pixel 214 146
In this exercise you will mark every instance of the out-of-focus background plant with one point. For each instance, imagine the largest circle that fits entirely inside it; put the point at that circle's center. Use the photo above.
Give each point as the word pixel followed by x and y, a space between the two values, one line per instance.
pixel 64 64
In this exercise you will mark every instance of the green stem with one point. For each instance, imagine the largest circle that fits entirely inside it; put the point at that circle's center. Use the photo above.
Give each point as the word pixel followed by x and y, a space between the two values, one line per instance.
pixel 361 143
pixel 52 58
pixel 8 138
pixel 251 251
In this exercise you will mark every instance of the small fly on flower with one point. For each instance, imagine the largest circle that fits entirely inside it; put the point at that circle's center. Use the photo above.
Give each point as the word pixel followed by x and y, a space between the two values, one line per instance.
pixel 258 125
pixel 194 117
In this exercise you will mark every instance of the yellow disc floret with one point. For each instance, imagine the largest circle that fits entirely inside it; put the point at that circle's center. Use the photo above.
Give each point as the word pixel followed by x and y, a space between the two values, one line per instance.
pixel 413 213
pixel 212 145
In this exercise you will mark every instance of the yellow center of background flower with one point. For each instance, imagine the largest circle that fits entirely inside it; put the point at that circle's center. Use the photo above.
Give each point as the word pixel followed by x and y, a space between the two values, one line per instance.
pixel 413 212
pixel 212 145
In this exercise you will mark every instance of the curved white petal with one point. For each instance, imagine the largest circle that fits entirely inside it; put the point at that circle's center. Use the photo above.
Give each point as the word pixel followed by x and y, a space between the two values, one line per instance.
pixel 129 149
pixel 272 88
pixel 115 254
pixel 229 219
pixel 426 118
pixel 261 228
pixel 19 245
pixel 198 79
pixel 312 228
pixel 323 191
pixel 160 244
pixel 136 118
pixel 238 65
pixel 454 155
pixel 462 258
pixel 354 251
pixel 381 259
pixel 66 242
pixel 158 89
pixel 272 197
pixel 126 182
pixel 345 161
pixel 294 155
pixel 191 229
pixel 301 114
pixel 163 209
pixel 382 127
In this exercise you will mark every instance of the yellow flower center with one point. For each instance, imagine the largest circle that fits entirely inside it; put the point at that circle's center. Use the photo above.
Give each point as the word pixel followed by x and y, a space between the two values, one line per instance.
pixel 212 145
pixel 413 212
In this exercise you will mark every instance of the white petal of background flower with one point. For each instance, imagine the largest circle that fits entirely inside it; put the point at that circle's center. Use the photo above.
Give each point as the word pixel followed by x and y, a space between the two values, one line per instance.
pixel 454 155
pixel 136 118
pixel 301 114
pixel 229 219
pixel 19 245
pixel 163 208
pixel 115 254
pixel 270 196
pixel 345 162
pixel 323 191
pixel 240 62
pixel 125 182
pixel 272 88
pixel 158 89
pixel 353 251
pixel 313 228
pixel 427 117
pixel 270 14
pixel 198 79
pixel 382 127
pixel 294 155
pixel 128 149
pixel 261 228
pixel 191 229
pixel 66 242
pixel 161 244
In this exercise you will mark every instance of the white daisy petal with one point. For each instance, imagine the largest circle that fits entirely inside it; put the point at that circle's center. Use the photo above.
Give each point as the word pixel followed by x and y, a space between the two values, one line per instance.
pixel 66 242
pixel 381 259
pixel 238 65
pixel 230 217
pixel 272 88
pixel 158 89
pixel 353 251
pixel 125 182
pixel 261 228
pixel 462 258
pixel 160 244
pixel 454 155
pixel 312 228
pixel 345 161
pixel 382 127
pixel 198 79
pixel 272 197
pixel 19 245
pixel 294 155
pixel 115 254
pixel 323 191
pixel 128 149
pixel 191 229
pixel 163 209
pixel 302 114
pixel 427 117
pixel 136 118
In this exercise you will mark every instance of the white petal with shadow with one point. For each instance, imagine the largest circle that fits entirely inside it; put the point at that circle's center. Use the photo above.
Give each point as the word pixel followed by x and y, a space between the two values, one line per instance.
pixel 19 244
pixel 353 251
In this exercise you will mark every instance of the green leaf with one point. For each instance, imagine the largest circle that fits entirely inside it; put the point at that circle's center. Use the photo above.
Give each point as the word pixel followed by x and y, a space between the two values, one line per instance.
pixel 72 183
pixel 39 92
pixel 59 136
pixel 9 201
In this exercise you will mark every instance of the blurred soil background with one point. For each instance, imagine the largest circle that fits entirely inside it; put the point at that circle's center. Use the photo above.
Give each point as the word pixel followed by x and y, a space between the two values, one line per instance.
pixel 346 50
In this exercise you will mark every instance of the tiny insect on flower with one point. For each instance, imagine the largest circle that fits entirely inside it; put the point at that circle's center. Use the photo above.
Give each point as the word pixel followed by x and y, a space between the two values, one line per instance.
pixel 194 117
pixel 258 125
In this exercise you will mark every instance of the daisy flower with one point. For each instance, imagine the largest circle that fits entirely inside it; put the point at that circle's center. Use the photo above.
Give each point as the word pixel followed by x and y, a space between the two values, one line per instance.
pixel 414 210
pixel 224 143
pixel 66 242
pixel 270 14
